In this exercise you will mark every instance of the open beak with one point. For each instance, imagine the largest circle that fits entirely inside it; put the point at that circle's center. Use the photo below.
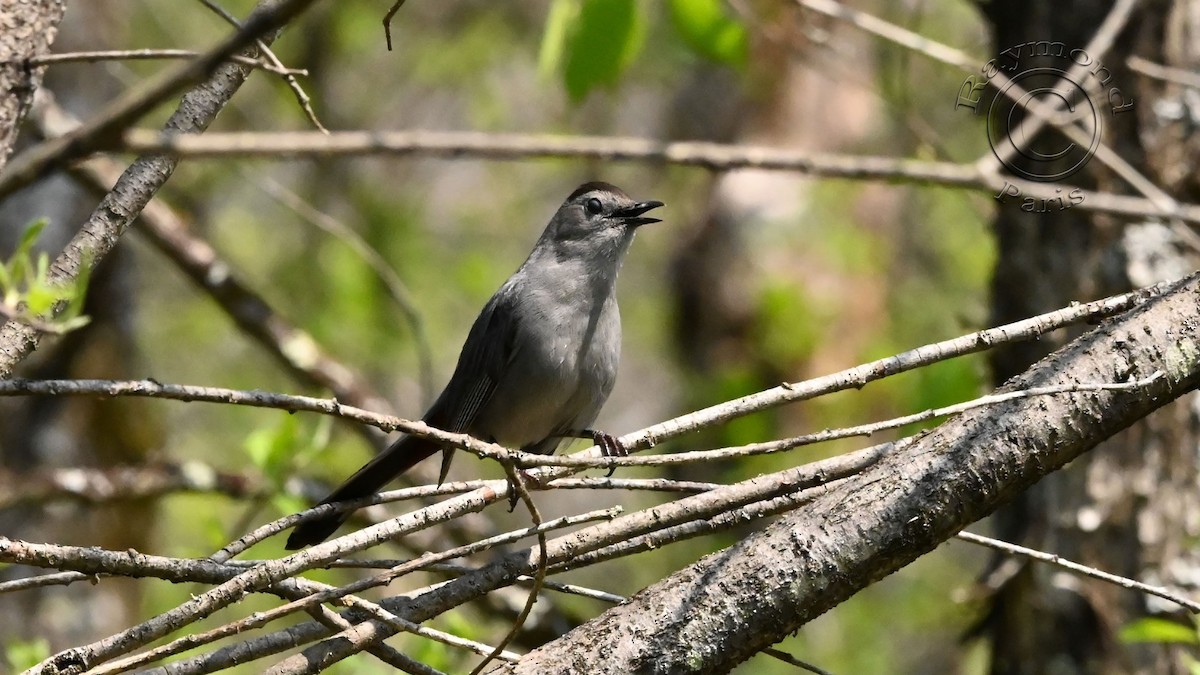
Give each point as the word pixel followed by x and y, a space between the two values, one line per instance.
pixel 632 215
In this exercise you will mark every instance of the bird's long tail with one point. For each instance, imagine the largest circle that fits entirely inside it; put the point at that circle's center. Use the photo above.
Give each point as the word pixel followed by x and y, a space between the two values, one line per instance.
pixel 398 458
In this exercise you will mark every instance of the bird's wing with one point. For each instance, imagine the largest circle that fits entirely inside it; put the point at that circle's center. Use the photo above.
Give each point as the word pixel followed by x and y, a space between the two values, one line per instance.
pixel 486 356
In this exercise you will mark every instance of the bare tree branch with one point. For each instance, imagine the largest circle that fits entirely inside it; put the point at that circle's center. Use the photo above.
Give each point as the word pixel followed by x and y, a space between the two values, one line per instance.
pixel 1041 114
pixel 151 54
pixel 122 483
pixel 277 67
pixel 292 346
pixel 855 377
pixel 716 156
pixel 1076 568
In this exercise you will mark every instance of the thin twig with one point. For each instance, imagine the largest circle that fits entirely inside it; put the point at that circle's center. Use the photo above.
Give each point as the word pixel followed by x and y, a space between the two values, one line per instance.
pixel 793 661
pixel 651 484
pixel 1077 568
pixel 458 570
pixel 146 54
pixel 396 287
pixel 99 485
pixel 539 577
pixel 1160 204
pixel 781 445
pixel 45 580
pixel 1158 71
pixel 290 345
pixel 387 22
pixel 301 97
pixel 855 377
pixel 291 520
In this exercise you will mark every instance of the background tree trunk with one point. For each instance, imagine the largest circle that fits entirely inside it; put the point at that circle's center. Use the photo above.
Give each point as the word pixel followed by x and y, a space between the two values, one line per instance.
pixel 1129 506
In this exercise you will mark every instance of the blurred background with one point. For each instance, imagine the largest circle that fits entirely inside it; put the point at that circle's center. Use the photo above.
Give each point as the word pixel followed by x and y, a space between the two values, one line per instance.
pixel 754 278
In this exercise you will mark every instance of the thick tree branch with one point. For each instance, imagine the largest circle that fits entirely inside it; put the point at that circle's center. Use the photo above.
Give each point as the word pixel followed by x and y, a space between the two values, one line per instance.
pixel 26 31
pixel 734 603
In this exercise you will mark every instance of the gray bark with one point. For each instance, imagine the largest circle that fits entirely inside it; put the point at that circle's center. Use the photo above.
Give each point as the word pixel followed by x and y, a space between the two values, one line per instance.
pixel 27 29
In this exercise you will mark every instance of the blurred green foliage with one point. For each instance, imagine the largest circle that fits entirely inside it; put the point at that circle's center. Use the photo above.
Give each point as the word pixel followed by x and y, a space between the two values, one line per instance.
pixel 707 28
pixel 1156 630
pixel 28 293
pixel 595 39
pixel 21 655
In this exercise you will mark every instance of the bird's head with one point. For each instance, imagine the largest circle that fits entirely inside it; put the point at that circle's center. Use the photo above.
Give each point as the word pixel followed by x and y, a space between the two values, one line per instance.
pixel 596 222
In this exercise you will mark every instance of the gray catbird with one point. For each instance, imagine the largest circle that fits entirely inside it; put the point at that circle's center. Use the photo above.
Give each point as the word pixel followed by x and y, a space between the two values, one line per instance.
pixel 541 358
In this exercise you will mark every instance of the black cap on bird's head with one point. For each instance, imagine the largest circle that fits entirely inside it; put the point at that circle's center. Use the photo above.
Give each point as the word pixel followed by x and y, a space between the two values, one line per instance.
pixel 596 222
pixel 598 197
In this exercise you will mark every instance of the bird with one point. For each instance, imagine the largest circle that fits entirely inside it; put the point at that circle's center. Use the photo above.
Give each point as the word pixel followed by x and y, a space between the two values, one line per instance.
pixel 540 359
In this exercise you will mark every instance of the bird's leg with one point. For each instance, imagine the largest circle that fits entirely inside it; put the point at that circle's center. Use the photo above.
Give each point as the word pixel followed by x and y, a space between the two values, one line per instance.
pixel 609 446
pixel 515 476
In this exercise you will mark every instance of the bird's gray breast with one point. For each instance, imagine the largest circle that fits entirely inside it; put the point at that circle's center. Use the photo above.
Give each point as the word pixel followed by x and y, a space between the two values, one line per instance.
pixel 563 367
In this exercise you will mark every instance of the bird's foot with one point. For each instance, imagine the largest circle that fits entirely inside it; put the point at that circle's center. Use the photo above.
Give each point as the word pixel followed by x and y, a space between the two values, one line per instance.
pixel 609 446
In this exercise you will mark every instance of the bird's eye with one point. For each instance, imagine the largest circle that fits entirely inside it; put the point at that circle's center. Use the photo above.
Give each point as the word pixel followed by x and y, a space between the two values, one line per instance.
pixel 593 206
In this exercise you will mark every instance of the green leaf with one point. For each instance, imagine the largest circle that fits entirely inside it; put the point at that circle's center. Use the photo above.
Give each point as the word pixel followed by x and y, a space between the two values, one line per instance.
pixel 554 37
pixel 78 291
pixel 19 266
pixel 1159 631
pixel 29 237
pixel 39 300
pixel 605 39
pixel 43 269
pixel 706 27
pixel 73 323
